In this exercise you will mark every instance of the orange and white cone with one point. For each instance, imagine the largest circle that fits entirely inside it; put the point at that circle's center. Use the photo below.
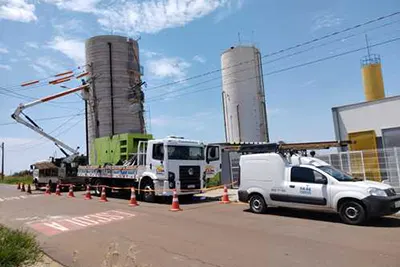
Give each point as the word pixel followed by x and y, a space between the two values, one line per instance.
pixel 103 197
pixel 19 186
pixel 58 191
pixel 88 195
pixel 133 201
pixel 225 197
pixel 47 190
pixel 29 191
pixel 71 191
pixel 175 202
pixel 23 187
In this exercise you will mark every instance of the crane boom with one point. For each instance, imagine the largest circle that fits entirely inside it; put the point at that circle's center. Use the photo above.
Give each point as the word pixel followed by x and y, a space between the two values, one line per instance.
pixel 33 126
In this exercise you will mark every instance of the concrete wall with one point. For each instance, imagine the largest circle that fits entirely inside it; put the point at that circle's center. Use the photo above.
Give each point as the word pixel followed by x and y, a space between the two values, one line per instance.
pixel 374 115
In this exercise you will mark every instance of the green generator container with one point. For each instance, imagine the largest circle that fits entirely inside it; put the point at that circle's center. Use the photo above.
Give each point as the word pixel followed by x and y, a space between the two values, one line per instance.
pixel 116 149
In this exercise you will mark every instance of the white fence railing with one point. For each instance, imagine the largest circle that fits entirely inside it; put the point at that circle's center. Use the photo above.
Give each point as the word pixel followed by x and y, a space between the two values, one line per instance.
pixel 379 165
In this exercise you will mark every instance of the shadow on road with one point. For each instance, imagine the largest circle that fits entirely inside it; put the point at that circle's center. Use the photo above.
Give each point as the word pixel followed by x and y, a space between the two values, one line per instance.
pixel 389 222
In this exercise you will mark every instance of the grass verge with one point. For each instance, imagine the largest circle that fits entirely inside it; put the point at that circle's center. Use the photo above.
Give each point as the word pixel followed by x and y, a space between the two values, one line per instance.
pixel 18 248
pixel 17 179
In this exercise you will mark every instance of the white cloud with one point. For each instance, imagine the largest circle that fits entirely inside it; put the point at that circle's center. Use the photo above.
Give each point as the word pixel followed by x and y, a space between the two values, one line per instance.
pixel 72 48
pixel 325 20
pixel 231 7
pixel 5 67
pixel 155 15
pixel 69 26
pixel 17 10
pixel 150 16
pixel 168 67
pixel 149 54
pixel 199 59
pixel 75 5
pixel 14 60
pixel 3 50
pixel 39 70
pixel 32 45
pixel 49 64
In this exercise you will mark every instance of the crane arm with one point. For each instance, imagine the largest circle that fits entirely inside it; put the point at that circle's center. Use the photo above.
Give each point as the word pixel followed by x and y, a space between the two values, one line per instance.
pixel 33 126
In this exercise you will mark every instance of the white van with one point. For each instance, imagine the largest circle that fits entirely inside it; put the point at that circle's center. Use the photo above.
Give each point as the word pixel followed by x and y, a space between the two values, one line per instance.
pixel 269 179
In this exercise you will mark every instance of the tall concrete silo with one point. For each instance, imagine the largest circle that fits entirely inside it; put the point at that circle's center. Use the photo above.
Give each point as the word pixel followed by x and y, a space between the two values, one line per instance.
pixel 115 98
pixel 243 96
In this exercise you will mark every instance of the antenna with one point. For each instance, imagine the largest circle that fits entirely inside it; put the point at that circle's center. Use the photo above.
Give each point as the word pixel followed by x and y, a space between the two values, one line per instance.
pixel 252 38
pixel 239 38
pixel 366 40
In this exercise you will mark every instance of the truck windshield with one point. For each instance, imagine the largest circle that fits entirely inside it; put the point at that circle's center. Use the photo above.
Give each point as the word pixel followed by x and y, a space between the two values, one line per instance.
pixel 185 152
pixel 337 174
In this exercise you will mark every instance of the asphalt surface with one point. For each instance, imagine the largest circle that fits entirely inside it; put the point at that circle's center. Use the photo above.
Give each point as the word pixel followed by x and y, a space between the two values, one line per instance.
pixel 203 234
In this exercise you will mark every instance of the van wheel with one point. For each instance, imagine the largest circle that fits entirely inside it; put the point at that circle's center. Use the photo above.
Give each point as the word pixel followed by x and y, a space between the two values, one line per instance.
pixel 257 204
pixel 352 213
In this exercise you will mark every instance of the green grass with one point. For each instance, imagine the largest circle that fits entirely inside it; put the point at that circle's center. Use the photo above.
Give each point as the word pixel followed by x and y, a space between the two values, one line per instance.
pixel 16 180
pixel 18 248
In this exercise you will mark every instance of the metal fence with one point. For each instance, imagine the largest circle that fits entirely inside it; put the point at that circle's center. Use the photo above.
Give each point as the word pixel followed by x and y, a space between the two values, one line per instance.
pixel 378 165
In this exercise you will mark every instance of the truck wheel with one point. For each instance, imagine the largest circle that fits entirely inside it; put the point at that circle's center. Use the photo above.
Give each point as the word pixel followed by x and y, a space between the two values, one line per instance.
pixel 257 204
pixel 148 196
pixel 352 213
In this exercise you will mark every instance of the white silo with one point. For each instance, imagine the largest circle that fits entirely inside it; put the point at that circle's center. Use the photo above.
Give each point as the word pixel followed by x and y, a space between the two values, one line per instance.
pixel 243 96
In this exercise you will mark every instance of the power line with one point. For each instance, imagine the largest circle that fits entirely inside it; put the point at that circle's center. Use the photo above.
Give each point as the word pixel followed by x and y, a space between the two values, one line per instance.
pixel 44 119
pixel 281 51
pixel 281 70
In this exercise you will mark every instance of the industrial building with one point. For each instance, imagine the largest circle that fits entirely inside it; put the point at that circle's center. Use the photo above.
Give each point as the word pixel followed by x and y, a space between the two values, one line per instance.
pixel 115 109
pixel 243 96
pixel 373 126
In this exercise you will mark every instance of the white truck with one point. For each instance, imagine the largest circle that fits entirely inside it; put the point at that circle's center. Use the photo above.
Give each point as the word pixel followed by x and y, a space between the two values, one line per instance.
pixel 158 167
pixel 271 179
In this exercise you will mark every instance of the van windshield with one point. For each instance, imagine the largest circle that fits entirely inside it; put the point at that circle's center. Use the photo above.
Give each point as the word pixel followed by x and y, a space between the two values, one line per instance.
pixel 337 174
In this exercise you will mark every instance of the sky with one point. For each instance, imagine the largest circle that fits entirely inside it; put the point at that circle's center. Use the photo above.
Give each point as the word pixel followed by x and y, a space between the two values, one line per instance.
pixel 180 39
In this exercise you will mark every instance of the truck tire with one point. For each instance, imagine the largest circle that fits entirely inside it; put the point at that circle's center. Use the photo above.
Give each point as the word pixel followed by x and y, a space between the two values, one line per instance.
pixel 148 196
pixel 352 212
pixel 257 204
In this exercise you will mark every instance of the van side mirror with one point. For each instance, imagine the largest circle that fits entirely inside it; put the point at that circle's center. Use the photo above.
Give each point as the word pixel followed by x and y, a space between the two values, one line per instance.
pixel 321 179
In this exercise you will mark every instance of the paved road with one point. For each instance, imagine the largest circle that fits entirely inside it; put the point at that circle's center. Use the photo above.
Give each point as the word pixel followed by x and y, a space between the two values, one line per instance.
pixel 78 232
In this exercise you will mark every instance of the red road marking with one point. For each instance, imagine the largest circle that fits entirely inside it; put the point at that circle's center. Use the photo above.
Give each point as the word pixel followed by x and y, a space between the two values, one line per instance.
pixel 55 227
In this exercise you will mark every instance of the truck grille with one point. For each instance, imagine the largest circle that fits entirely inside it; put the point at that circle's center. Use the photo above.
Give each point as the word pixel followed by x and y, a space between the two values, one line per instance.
pixel 189 177
pixel 390 192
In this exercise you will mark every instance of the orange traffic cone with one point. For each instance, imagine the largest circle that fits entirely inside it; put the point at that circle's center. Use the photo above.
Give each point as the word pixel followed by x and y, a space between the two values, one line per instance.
pixel 225 197
pixel 47 190
pixel 58 191
pixel 88 195
pixel 19 186
pixel 23 187
pixel 133 201
pixel 175 202
pixel 71 191
pixel 103 197
pixel 29 191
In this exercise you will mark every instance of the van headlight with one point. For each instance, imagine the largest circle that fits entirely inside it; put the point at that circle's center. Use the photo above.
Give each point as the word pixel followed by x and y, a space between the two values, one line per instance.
pixel 377 192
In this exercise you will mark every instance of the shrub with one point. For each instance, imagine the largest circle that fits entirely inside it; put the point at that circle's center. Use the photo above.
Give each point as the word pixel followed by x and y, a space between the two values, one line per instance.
pixel 18 248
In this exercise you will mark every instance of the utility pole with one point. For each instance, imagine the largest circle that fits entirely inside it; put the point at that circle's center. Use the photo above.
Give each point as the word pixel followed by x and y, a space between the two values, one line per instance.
pixel 2 161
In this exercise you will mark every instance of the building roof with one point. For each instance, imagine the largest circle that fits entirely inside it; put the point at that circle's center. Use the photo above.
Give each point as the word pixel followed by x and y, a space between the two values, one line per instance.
pixel 367 103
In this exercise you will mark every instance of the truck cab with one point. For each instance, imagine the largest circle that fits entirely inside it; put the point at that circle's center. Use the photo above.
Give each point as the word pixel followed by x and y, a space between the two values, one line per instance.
pixel 270 179
pixel 171 163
